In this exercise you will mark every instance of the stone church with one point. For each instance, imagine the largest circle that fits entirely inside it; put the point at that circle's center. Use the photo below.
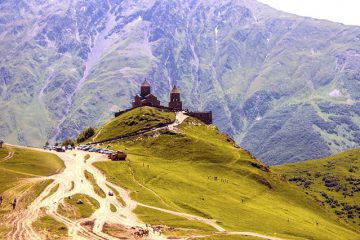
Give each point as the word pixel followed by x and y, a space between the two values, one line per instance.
pixel 146 98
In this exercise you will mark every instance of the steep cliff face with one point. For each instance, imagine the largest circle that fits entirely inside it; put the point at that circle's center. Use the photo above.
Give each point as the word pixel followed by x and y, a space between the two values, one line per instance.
pixel 286 87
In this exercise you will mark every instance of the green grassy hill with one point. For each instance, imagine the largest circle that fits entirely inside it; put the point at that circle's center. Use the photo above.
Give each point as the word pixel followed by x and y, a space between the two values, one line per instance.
pixel 201 171
pixel 333 181
pixel 17 177
pixel 132 121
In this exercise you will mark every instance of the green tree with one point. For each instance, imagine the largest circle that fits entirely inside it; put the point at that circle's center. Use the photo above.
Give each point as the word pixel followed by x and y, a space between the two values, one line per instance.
pixel 85 135
pixel 68 142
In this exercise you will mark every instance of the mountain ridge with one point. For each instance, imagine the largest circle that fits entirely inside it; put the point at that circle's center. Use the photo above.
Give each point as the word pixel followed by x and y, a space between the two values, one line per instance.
pixel 70 65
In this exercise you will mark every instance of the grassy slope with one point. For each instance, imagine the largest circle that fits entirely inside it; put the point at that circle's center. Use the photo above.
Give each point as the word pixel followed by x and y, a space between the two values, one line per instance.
pixel 30 162
pixel 134 120
pixel 15 172
pixel 155 217
pixel 24 164
pixel 179 173
pixel 335 181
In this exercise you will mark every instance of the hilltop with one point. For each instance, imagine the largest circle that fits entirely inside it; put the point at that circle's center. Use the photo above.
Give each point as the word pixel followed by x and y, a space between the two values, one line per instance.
pixel 195 169
pixel 333 181
pixel 69 64
pixel 133 121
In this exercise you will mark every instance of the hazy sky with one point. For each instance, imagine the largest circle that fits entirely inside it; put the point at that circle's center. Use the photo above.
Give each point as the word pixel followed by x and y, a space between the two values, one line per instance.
pixel 344 11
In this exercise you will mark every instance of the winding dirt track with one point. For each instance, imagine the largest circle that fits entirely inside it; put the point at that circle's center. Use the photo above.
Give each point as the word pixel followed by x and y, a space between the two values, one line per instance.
pixel 9 156
pixel 75 165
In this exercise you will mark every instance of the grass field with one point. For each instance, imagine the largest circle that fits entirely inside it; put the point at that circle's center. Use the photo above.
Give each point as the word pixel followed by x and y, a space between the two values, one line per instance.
pixel 201 171
pixel 26 163
pixel 72 210
pixel 52 191
pixel 90 177
pixel 155 217
pixel 334 181
pixel 17 173
pixel 132 121
pixel 50 228
pixel 231 237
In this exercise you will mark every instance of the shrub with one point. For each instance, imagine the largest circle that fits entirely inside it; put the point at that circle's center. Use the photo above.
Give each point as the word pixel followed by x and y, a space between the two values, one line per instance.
pixel 331 181
pixel 68 142
pixel 85 135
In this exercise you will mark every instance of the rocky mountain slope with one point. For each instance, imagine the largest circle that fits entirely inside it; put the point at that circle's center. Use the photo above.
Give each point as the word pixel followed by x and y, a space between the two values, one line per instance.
pixel 285 87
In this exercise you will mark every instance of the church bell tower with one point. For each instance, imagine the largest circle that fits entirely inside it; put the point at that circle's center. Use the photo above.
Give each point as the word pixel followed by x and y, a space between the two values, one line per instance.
pixel 145 88
pixel 175 100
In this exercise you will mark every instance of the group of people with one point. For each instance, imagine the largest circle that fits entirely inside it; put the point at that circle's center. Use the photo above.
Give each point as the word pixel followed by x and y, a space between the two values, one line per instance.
pixel 13 204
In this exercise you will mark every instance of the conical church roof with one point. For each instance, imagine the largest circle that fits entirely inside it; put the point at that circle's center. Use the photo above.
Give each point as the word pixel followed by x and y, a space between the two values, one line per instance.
pixel 145 83
pixel 175 90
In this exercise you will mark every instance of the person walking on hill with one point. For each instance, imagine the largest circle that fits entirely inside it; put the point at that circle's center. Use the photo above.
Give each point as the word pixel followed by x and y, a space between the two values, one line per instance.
pixel 14 204
pixel 1 200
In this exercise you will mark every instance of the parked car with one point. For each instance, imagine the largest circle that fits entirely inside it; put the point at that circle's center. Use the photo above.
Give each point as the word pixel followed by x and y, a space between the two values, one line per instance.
pixel 87 148
pixel 60 149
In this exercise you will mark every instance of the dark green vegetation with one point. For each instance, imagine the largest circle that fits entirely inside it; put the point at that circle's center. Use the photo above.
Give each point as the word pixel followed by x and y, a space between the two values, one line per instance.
pixel 85 135
pixel 201 171
pixel 72 210
pixel 334 181
pixel 16 175
pixel 272 79
pixel 133 121
pixel 70 142
pixel 50 228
